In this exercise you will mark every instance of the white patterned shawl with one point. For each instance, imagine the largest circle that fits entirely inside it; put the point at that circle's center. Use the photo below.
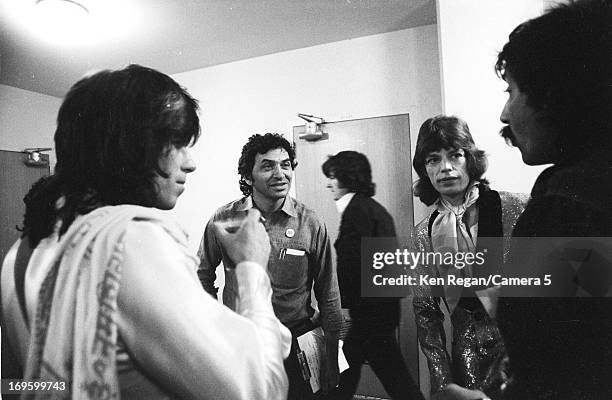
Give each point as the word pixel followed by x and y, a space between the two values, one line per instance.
pixel 74 332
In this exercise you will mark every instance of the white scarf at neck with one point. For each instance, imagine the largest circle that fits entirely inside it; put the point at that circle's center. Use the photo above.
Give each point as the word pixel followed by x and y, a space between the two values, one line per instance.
pixel 450 234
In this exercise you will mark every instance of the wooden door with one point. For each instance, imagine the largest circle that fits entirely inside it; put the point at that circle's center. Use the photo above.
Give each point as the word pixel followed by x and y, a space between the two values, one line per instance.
pixel 386 143
pixel 16 178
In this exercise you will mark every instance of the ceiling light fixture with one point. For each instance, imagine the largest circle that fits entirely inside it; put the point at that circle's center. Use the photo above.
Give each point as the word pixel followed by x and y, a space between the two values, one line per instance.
pixel 63 8
pixel 70 24
pixel 62 21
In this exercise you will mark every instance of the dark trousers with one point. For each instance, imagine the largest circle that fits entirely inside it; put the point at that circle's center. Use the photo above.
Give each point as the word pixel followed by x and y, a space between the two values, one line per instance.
pixel 375 342
pixel 299 389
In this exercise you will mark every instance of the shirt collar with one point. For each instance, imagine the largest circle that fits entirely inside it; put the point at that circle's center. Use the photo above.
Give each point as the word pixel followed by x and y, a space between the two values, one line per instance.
pixel 288 205
pixel 343 201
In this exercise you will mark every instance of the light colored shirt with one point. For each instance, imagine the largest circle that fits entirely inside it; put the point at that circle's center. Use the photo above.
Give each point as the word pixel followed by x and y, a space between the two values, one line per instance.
pixel 344 201
pixel 174 339
pixel 300 259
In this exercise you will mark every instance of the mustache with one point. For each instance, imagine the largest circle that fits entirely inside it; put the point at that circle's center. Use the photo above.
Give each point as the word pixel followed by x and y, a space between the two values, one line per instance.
pixel 508 135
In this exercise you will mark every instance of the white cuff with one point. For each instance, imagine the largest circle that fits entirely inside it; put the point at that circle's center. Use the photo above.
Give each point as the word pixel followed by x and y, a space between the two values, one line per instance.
pixel 254 289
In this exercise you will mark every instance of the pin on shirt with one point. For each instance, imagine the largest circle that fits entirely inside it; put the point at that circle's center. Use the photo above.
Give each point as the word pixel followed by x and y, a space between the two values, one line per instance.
pixel 290 233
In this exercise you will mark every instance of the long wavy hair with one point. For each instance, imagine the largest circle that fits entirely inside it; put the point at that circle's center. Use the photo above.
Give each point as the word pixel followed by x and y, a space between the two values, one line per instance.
pixel 445 132
pixel 112 128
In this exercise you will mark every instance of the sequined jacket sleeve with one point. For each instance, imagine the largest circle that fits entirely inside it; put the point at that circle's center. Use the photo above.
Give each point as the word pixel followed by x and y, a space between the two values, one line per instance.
pixel 430 319
pixel 428 314
pixel 513 205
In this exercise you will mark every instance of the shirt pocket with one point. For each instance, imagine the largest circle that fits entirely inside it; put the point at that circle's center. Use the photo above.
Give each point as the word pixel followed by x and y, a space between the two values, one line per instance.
pixel 289 267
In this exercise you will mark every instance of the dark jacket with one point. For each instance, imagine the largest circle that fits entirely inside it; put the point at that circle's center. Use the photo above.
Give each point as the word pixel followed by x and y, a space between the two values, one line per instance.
pixel 362 218
pixel 560 348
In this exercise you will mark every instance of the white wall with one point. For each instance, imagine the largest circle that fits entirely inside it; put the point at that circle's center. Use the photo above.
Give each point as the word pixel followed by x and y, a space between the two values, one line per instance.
pixel 397 72
pixel 27 119
pixel 384 74
pixel 471 33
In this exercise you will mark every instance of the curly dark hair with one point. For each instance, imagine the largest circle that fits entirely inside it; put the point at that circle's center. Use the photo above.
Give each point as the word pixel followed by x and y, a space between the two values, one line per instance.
pixel 562 61
pixel 261 144
pixel 112 129
pixel 353 171
pixel 445 132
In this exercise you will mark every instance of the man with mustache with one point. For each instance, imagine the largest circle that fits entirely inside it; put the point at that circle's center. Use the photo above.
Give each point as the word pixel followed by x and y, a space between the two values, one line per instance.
pixel 300 256
pixel 559 111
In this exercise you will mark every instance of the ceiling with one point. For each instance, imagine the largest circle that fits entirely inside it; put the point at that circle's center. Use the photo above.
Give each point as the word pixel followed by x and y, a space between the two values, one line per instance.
pixel 181 35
